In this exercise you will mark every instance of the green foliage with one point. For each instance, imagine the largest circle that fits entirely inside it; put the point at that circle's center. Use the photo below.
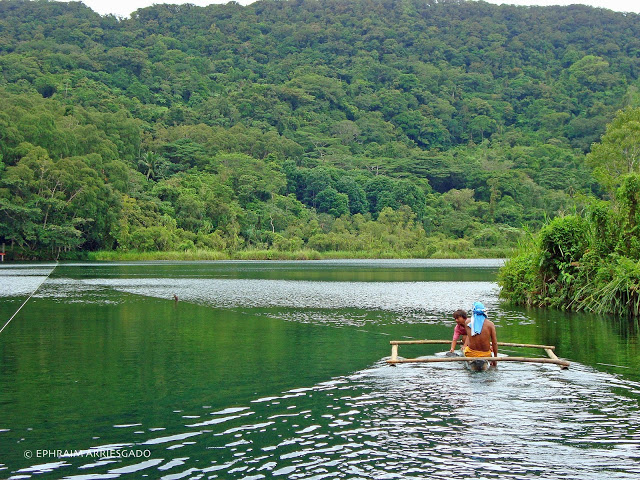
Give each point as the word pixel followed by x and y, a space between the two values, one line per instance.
pixel 614 288
pixel 585 263
pixel 439 128
pixel 609 280
pixel 628 209
pixel 605 224
pixel 356 195
pixel 520 279
pixel 332 202
pixel 563 242
pixel 618 153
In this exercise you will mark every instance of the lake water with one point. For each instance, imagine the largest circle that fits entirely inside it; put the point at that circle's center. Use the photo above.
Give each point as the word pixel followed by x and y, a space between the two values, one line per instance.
pixel 277 370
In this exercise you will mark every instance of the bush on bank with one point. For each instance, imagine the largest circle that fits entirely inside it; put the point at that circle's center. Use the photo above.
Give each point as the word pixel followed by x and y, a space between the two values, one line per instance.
pixel 588 262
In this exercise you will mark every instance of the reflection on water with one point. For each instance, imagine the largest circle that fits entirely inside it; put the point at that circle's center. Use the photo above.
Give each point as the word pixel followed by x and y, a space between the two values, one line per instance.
pixel 419 301
pixel 217 385
pixel 404 422
pixel 317 270
pixel 22 280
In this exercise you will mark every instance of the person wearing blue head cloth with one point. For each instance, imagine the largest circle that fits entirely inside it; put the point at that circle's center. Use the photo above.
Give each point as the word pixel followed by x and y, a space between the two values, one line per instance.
pixel 481 334
pixel 478 316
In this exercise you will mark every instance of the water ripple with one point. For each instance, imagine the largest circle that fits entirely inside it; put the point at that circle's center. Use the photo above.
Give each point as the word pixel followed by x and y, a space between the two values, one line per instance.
pixel 415 421
pixel 518 421
pixel 22 281
pixel 417 302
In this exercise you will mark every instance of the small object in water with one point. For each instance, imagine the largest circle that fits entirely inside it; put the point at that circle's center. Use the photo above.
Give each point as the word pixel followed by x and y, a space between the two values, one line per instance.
pixel 175 297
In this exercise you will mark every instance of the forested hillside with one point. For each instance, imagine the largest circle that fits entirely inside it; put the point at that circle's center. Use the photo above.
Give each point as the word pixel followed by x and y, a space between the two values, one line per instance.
pixel 375 127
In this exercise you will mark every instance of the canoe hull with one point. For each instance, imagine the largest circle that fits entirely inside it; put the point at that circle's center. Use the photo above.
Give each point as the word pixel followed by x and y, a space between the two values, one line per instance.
pixel 474 366
pixel 477 365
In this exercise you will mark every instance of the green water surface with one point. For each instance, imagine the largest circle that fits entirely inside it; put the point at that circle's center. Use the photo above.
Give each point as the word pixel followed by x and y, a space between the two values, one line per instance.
pixel 243 375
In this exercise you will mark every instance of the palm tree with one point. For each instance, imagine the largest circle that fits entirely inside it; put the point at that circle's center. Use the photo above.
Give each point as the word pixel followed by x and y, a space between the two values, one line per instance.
pixel 151 163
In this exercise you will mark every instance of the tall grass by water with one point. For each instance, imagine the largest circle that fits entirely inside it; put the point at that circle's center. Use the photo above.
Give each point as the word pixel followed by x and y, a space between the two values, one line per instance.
pixel 305 254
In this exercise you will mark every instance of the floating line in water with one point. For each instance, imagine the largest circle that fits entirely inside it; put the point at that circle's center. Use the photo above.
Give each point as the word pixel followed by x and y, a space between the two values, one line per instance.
pixel 28 298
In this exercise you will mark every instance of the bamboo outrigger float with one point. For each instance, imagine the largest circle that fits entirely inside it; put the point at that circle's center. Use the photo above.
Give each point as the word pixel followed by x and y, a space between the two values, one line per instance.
pixel 549 349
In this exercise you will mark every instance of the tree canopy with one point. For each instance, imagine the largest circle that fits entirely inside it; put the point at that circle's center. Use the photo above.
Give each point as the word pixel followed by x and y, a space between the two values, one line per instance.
pixel 263 126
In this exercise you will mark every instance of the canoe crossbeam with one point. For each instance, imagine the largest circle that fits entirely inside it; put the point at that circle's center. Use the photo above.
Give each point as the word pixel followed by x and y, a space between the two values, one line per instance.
pixel 549 350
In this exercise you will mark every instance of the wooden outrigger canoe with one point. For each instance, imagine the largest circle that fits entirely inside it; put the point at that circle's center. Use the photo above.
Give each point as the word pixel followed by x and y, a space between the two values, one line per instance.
pixel 476 362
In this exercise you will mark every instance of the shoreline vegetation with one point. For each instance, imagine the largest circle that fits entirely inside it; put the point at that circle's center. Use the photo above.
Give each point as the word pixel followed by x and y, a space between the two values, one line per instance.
pixel 589 261
pixel 207 255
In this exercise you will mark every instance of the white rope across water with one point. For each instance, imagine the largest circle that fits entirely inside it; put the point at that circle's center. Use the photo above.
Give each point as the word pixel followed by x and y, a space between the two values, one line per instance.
pixel 28 298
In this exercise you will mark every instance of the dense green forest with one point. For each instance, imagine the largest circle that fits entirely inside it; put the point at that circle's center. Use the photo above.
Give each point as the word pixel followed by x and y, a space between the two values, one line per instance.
pixel 367 127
